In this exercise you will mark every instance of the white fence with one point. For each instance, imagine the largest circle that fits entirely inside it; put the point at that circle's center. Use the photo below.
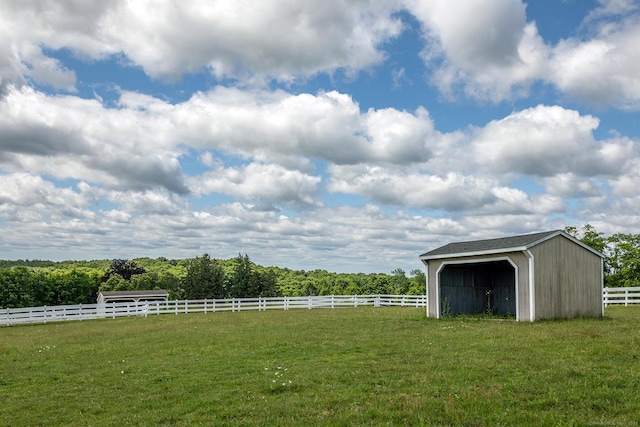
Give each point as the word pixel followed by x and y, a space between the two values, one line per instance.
pixel 12 316
pixel 626 296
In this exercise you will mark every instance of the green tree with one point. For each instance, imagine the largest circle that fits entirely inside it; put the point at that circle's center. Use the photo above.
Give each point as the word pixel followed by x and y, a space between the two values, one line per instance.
pixel 246 280
pixel 418 282
pixel 239 283
pixel 123 268
pixel 204 278
pixel 265 283
pixel 18 287
pixel 625 260
pixel 71 287
pixel 399 281
pixel 589 236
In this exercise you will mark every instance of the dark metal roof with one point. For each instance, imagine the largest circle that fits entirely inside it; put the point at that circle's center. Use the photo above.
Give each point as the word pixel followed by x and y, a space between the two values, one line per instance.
pixel 500 244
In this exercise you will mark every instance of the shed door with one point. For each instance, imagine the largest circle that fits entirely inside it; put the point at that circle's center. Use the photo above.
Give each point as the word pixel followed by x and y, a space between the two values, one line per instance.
pixel 476 288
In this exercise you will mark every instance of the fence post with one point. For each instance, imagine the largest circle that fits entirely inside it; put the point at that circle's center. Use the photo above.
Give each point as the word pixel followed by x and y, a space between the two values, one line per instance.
pixel 332 300
pixel 626 297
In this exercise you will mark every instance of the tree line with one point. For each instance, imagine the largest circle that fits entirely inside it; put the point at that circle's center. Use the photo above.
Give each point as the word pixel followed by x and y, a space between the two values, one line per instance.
pixel 25 283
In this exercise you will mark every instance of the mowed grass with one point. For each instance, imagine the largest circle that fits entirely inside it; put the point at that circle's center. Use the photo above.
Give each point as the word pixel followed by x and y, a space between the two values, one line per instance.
pixel 364 366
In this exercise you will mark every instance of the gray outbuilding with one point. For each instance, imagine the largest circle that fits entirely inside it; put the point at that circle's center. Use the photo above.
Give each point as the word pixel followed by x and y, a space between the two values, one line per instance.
pixel 532 277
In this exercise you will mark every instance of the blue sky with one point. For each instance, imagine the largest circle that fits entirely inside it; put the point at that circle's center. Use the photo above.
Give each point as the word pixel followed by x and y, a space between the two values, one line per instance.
pixel 346 136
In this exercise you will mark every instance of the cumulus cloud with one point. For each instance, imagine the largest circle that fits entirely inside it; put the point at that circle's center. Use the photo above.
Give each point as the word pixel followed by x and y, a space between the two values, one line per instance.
pixel 486 32
pixel 610 8
pixel 452 192
pixel 140 170
pixel 483 49
pixel 28 28
pixel 488 50
pixel 257 181
pixel 544 141
pixel 278 126
pixel 24 190
pixel 602 70
pixel 234 39
pixel 69 137
pixel 229 37
pixel 573 186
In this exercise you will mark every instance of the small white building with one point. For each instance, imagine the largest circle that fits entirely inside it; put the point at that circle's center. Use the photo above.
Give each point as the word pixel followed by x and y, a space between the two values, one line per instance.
pixel 132 296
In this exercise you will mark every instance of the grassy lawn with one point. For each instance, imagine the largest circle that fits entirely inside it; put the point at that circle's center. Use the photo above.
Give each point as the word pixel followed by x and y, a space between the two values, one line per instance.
pixel 364 366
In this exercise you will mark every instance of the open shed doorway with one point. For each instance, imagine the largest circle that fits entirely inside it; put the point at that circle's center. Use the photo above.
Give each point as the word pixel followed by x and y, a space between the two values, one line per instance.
pixel 478 288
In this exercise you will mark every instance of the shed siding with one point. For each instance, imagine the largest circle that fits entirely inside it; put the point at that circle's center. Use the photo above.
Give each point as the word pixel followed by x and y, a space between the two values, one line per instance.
pixel 568 280
pixel 522 288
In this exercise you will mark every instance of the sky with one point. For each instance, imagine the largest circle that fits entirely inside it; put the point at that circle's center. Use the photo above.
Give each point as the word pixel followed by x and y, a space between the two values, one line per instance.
pixel 349 136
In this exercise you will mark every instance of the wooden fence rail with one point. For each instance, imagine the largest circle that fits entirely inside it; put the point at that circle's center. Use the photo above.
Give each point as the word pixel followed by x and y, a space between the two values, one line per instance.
pixel 13 316
pixel 626 296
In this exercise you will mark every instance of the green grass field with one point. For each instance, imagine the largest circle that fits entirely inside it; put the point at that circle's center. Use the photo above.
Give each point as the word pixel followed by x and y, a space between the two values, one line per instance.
pixel 364 366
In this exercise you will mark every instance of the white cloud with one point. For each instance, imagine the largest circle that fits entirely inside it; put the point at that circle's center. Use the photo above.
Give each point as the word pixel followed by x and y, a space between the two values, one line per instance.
pixel 29 27
pixel 289 129
pixel 452 192
pixel 545 141
pixel 24 190
pixel 45 70
pixel 628 185
pixel 485 49
pixel 572 185
pixel 610 8
pixel 69 137
pixel 398 136
pixel 485 32
pixel 603 70
pixel 257 181
pixel 241 39
pixel 115 177
pixel 235 39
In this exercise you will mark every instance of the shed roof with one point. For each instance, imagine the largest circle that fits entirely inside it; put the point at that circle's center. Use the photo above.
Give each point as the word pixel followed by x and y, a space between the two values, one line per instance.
pixel 160 293
pixel 499 245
